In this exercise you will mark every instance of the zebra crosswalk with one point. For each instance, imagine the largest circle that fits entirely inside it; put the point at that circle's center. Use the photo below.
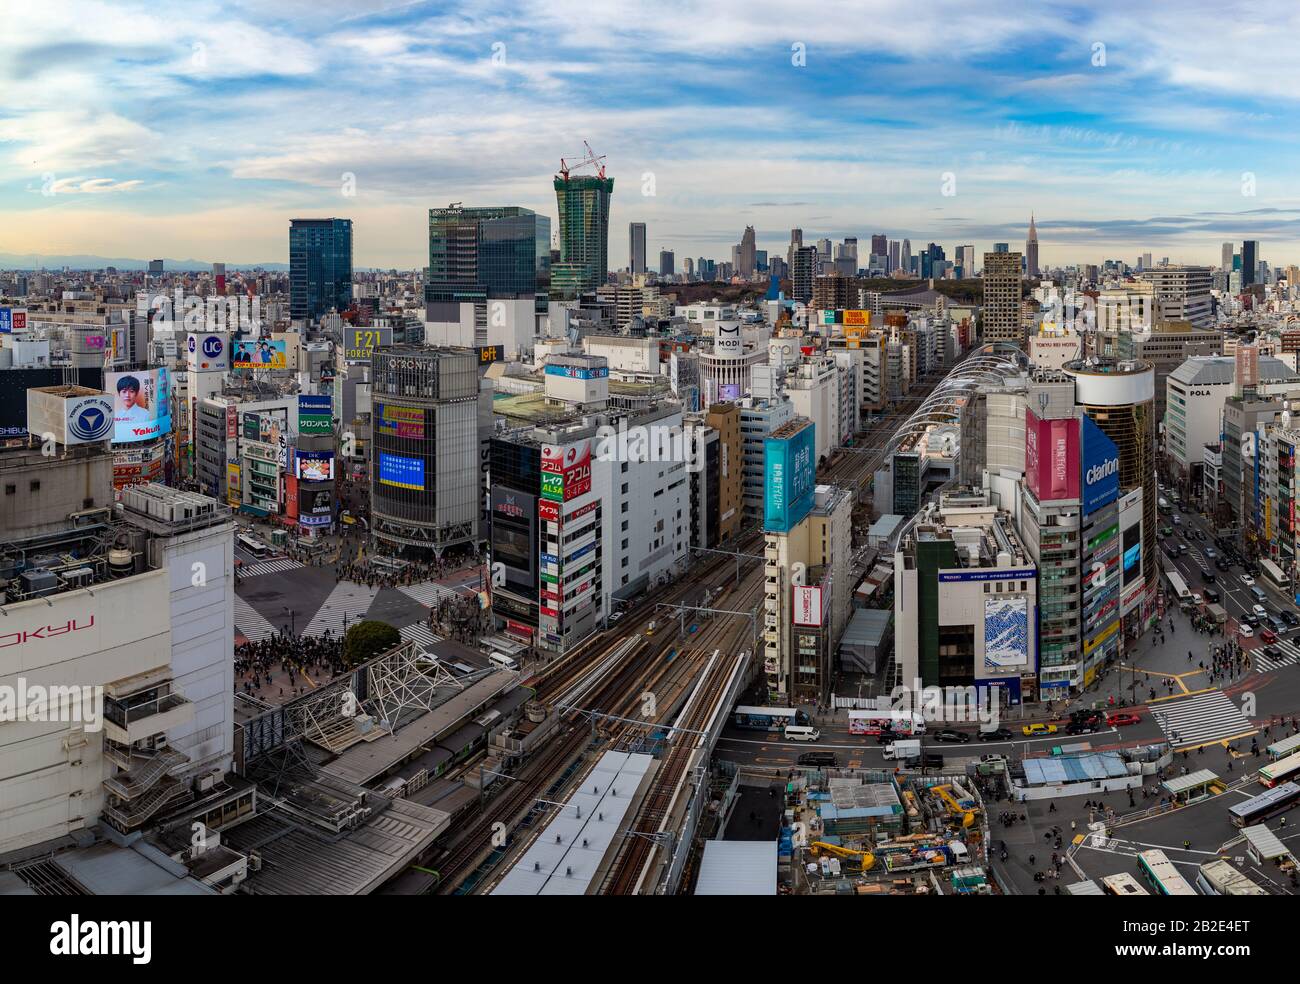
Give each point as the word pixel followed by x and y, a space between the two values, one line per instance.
pixel 278 566
pixel 1290 655
pixel 346 605
pixel 420 633
pixel 427 593
pixel 251 623
pixel 1200 719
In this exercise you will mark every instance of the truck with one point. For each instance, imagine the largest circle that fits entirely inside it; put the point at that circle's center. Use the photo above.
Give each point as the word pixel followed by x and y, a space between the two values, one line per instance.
pixel 903 749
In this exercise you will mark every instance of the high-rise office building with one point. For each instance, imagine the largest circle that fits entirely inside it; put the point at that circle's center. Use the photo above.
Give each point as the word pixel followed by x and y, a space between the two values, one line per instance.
pixel 320 267
pixel 1249 262
pixel 666 263
pixel 893 255
pixel 745 253
pixel 1031 249
pixel 1001 247
pixel 494 251
pixel 636 247
pixel 803 271
pixel 1001 309
pixel 583 202
pixel 1225 261
pixel 879 244
pixel 1183 293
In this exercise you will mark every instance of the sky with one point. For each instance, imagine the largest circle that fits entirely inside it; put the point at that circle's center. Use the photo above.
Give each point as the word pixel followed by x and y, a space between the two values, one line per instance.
pixel 198 130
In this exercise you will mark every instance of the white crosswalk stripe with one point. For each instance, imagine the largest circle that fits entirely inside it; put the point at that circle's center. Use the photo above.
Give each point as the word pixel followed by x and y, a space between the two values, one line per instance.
pixel 250 622
pixel 420 633
pixel 269 567
pixel 346 605
pixel 1200 719
pixel 427 593
pixel 1290 656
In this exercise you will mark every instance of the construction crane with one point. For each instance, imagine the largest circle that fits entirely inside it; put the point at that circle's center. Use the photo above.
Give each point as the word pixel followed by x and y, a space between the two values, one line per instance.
pixel 591 158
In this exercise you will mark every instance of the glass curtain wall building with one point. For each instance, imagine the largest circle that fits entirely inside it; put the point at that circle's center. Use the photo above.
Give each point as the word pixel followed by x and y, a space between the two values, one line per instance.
pixel 488 252
pixel 583 202
pixel 320 267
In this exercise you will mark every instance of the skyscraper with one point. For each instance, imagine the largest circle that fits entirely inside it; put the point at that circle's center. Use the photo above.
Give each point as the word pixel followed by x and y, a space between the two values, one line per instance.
pixel 1031 248
pixel 905 258
pixel 583 202
pixel 796 241
pixel 745 254
pixel 893 255
pixel 1225 262
pixel 665 263
pixel 803 271
pixel 879 244
pixel 1001 309
pixel 1249 262
pixel 320 267
pixel 491 251
pixel 636 247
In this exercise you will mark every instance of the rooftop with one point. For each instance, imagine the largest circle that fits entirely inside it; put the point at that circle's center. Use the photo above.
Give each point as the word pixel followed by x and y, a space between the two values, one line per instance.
pixel 1216 370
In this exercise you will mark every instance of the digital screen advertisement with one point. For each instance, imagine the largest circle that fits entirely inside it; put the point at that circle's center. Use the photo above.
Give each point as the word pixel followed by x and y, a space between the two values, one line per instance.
pixel 258 353
pixel 141 404
pixel 315 466
pixel 401 472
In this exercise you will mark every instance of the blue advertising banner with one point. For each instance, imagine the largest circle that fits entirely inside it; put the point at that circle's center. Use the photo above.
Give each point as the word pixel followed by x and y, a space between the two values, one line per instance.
pixel 402 472
pixel 789 471
pixel 1100 468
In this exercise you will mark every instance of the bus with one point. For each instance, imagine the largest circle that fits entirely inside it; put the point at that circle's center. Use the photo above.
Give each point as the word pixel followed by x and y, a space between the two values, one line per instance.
pixel 1284 770
pixel 1160 872
pixel 1122 884
pixel 1274 576
pixel 877 722
pixel 1178 585
pixel 1285 747
pixel 256 547
pixel 767 718
pixel 1218 877
pixel 1259 808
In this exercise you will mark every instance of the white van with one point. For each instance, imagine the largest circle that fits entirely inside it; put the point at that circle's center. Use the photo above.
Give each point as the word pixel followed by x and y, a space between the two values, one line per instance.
pixel 503 662
pixel 798 732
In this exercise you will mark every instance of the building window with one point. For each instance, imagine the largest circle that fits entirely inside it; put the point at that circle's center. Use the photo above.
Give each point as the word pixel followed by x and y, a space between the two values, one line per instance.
pixel 11 489
pixel 35 486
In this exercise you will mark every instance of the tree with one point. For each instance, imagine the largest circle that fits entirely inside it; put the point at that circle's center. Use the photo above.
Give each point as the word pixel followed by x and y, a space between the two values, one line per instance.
pixel 368 639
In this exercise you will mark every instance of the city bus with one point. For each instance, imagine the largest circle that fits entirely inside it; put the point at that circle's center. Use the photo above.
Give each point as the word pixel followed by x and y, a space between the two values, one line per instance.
pixel 1218 877
pixel 1284 748
pixel 876 722
pixel 1122 884
pixel 1161 874
pixel 1259 808
pixel 1274 576
pixel 1178 585
pixel 767 718
pixel 256 547
pixel 1284 770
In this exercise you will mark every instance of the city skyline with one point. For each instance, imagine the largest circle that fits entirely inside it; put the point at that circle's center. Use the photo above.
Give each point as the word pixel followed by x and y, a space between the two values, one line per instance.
pixel 201 133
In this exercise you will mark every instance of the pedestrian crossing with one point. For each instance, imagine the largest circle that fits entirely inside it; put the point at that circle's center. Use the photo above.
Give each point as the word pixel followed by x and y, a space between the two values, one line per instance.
pixel 346 605
pixel 1290 656
pixel 419 633
pixel 251 623
pixel 278 566
pixel 1200 719
pixel 427 593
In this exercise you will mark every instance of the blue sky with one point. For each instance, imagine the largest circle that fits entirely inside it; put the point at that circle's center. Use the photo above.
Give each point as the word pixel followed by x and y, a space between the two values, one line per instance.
pixel 199 129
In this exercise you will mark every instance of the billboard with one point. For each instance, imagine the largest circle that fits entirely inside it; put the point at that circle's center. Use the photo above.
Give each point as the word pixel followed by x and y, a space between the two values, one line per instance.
pixel 315 414
pixel 1052 457
pixel 209 352
pixel 398 421
pixel 315 466
pixel 566 470
pixel 807 605
pixel 789 471
pixel 578 372
pixel 1132 553
pixel 12 319
pixel 362 342
pixel 727 342
pixel 1100 468
pixel 1006 633
pixel 728 392
pixel 141 405
pixel 401 472
pixel 319 502
pixel 258 353
pixel 82 418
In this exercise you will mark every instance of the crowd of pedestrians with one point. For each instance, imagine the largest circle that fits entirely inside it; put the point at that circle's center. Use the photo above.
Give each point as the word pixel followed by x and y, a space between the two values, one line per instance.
pixel 288 660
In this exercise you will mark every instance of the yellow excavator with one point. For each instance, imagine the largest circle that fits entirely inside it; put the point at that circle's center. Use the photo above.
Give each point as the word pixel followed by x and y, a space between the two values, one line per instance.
pixel 864 858
pixel 944 792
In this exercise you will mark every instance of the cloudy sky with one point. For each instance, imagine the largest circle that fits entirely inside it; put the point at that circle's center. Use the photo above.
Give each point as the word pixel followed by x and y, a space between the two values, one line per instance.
pixel 199 129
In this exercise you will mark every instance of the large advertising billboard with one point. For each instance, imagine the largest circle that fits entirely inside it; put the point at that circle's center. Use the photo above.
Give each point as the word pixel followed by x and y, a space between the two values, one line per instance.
pixel 807 605
pixel 1051 458
pixel 1100 468
pixel 361 342
pixel 208 352
pixel 566 470
pixel 315 414
pixel 258 353
pixel 789 470
pixel 1006 633
pixel 399 421
pixel 1132 553
pixel 314 466
pixel 142 403
pixel 401 472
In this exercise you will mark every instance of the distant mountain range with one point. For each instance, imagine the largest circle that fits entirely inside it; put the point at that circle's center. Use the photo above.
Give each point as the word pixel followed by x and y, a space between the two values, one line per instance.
pixel 76 261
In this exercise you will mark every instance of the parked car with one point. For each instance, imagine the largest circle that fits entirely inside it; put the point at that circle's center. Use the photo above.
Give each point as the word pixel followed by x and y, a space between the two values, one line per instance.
pixel 959 737
pixel 1122 718
pixel 1038 730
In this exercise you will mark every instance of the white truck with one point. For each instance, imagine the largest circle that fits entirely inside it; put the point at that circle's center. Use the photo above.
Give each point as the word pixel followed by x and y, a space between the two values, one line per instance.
pixel 902 750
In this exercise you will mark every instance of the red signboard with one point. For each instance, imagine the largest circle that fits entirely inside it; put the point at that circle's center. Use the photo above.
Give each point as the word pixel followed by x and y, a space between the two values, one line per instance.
pixel 548 511
pixel 1052 467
